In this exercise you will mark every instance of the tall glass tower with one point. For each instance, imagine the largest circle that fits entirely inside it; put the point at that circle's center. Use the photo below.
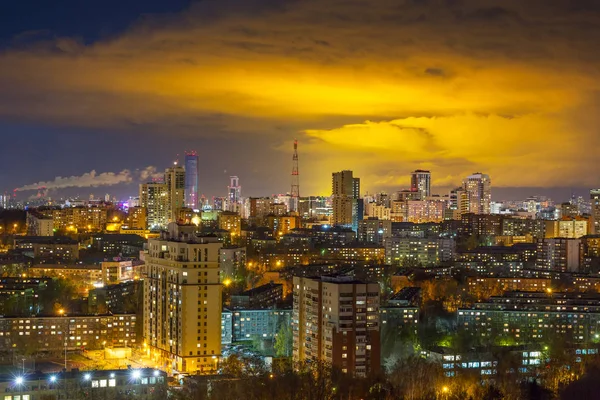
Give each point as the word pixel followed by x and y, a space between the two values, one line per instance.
pixel 191 179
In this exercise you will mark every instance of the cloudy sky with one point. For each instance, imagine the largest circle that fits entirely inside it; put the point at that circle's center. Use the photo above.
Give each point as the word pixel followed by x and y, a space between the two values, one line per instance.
pixel 98 92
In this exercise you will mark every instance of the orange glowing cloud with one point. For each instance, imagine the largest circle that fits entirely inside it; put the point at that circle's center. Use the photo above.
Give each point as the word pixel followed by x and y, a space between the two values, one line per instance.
pixel 378 87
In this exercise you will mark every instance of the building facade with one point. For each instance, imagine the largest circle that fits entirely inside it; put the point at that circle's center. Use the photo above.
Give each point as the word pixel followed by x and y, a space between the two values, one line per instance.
pixel 175 182
pixel 346 195
pixel 479 189
pixel 559 255
pixel 154 198
pixel 420 182
pixel 143 384
pixel 336 320
pixel 182 300
pixel 54 333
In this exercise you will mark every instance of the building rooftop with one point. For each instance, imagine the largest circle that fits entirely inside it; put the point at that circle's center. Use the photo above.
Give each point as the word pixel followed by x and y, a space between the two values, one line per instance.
pixel 76 373
pixel 45 240
pixel 261 289
pixel 68 266
pixel 406 294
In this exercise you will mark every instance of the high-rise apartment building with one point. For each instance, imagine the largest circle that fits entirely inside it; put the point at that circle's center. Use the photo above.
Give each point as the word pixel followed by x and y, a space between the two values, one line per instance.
pixel 175 181
pixel 182 300
pixel 234 196
pixel 154 198
pixel 479 189
pixel 420 181
pixel 595 206
pixel 191 180
pixel 336 320
pixel 347 210
pixel 559 254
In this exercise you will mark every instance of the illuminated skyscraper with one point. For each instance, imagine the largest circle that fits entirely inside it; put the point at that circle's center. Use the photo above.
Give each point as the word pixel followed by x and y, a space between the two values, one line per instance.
pixel 347 207
pixel 479 189
pixel 234 197
pixel 420 181
pixel 175 181
pixel 191 180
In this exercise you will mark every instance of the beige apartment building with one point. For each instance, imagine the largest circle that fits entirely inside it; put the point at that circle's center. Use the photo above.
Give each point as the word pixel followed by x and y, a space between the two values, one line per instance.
pixel 182 300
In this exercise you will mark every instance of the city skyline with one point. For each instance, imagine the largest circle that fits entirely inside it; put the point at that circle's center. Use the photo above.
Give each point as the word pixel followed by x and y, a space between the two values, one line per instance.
pixel 401 96
pixel 126 183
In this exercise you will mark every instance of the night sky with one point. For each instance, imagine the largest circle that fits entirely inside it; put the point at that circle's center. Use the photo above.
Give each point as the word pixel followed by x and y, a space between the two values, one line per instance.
pixel 382 87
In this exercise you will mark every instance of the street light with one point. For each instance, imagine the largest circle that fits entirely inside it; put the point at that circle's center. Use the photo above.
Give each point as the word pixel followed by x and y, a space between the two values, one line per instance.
pixel 87 377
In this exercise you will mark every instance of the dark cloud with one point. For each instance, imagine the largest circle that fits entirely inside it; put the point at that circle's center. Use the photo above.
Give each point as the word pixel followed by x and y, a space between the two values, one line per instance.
pixel 435 71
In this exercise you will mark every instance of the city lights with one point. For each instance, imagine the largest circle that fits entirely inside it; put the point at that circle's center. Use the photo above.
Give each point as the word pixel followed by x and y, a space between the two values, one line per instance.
pixel 325 199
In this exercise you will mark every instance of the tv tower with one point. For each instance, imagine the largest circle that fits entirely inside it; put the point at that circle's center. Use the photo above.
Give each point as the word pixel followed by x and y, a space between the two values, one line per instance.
pixel 295 179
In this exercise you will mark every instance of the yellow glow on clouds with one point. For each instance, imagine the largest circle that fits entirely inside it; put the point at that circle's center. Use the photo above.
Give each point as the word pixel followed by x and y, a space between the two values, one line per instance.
pixel 377 97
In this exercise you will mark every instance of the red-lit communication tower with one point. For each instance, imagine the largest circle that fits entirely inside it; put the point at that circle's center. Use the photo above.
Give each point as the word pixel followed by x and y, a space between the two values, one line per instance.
pixel 295 179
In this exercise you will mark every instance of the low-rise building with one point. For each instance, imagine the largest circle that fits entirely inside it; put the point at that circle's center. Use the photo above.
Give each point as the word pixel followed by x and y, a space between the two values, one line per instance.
pixel 530 317
pixel 90 275
pixel 418 250
pixel 39 224
pixel 489 286
pixel 226 327
pixel 55 333
pixel 20 296
pixel 144 384
pixel 52 248
pixel 354 253
pixel 261 324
